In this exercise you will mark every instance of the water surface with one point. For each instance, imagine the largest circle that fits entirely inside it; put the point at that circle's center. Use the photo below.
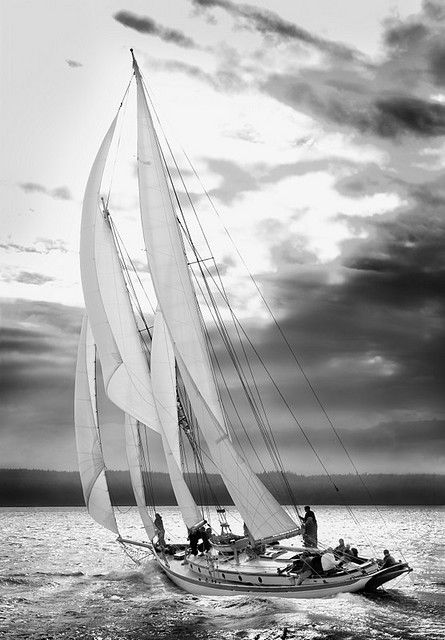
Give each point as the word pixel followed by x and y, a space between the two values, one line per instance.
pixel 63 576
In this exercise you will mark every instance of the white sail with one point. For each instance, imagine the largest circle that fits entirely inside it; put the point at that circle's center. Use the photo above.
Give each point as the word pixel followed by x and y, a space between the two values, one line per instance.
pixel 124 366
pixel 163 375
pixel 166 258
pixel 134 453
pixel 176 297
pixel 263 515
pixel 89 450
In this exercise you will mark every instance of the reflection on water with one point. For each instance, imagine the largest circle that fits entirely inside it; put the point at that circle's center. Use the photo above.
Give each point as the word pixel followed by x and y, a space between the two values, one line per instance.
pixel 62 576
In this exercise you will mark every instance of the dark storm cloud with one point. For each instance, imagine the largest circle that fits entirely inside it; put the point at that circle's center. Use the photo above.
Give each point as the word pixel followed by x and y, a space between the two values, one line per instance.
pixel 405 35
pixel 271 24
pixel 387 118
pixel 437 64
pixel 37 363
pixel 73 63
pixel 408 114
pixel 373 335
pixel 60 193
pixel 143 24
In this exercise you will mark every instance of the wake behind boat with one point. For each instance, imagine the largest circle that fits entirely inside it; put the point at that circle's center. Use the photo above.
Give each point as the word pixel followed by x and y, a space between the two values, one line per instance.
pixel 167 376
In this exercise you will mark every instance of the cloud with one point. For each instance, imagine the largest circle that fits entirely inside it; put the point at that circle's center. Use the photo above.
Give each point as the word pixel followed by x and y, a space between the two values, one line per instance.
pixel 384 117
pixel 225 78
pixel 27 277
pixel 19 248
pixel 147 25
pixel 41 246
pixel 37 364
pixel 59 193
pixel 271 24
pixel 73 63
pixel 235 180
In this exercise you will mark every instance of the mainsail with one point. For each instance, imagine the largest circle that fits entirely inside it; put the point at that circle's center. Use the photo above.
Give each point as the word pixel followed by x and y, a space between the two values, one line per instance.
pixel 166 260
pixel 89 449
pixel 176 297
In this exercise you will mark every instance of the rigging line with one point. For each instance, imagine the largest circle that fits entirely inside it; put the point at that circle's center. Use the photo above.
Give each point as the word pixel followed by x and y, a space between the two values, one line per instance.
pixel 220 322
pixel 245 265
pixel 274 455
pixel 123 104
pixel 119 238
pixel 148 479
pixel 226 339
pixel 296 420
pixel 192 434
pixel 284 337
pixel 279 328
pixel 224 295
pixel 268 436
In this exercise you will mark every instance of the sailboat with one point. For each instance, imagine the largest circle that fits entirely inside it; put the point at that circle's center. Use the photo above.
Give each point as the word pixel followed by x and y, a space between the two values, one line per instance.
pixel 163 378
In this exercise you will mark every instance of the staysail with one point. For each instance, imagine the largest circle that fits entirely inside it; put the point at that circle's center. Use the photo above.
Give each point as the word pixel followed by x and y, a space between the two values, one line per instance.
pixel 163 375
pixel 124 366
pixel 263 515
pixel 89 449
pixel 133 450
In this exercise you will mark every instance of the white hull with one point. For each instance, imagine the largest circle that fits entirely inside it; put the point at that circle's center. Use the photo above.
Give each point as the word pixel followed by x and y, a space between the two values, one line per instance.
pixel 210 585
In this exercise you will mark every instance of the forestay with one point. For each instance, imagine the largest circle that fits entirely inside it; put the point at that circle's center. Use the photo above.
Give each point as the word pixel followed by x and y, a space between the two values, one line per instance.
pixel 89 450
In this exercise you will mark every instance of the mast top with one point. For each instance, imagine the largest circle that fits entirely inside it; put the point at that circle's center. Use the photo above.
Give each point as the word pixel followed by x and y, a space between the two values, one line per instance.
pixel 135 64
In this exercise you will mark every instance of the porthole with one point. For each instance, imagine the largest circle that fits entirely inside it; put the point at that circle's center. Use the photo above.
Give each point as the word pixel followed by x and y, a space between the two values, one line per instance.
pixel 199 569
pixel 223 575
pixel 260 579
pixel 240 578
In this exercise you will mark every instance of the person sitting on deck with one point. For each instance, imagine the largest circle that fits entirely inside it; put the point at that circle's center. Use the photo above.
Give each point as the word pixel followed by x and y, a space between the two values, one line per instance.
pixel 388 560
pixel 340 548
pixel 328 561
pixel 346 552
pixel 302 567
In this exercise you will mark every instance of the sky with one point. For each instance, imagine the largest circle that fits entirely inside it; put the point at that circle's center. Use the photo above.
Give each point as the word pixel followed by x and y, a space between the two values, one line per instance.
pixel 317 127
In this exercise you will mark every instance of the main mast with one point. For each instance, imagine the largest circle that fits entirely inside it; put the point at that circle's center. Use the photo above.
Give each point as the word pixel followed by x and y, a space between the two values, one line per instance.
pixel 263 515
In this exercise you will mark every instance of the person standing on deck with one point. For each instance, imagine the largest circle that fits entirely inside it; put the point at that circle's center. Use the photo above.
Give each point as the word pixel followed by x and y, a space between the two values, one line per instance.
pixel 159 526
pixel 310 527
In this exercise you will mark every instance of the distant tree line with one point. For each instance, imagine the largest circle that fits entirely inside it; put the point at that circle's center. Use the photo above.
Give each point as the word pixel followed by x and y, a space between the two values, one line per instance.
pixel 33 487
